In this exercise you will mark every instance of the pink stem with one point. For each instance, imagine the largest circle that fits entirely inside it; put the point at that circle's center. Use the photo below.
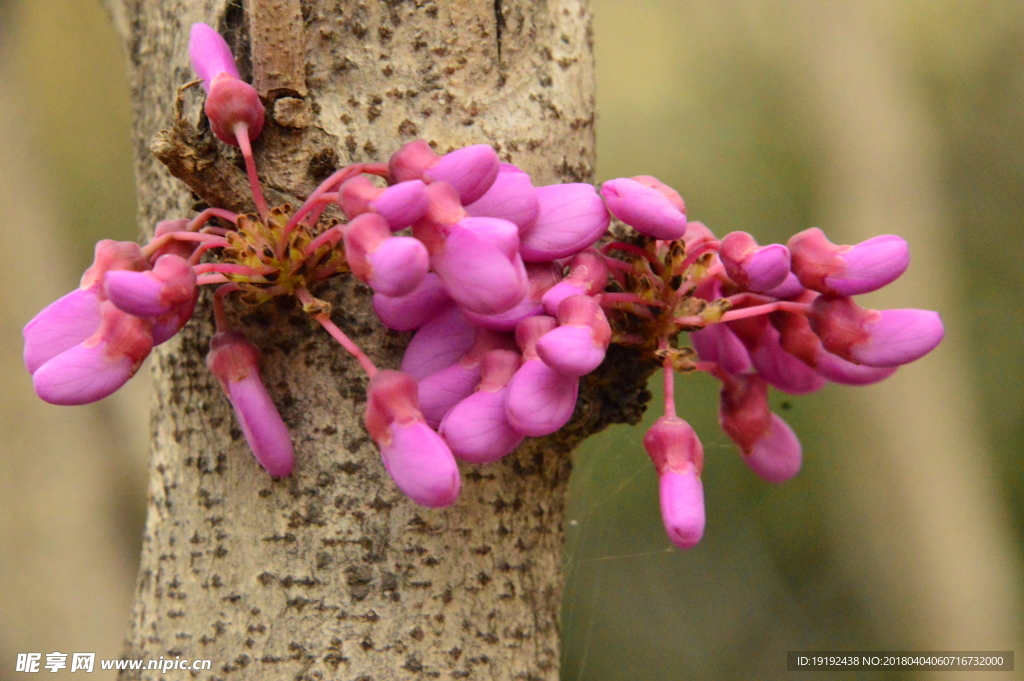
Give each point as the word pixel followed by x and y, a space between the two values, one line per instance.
pixel 197 255
pixel 164 239
pixel 241 131
pixel 743 313
pixel 670 384
pixel 200 220
pixel 325 321
pixel 322 203
pixel 699 251
pixel 231 268
pixel 332 236
pixel 220 317
pixel 205 279
pixel 335 179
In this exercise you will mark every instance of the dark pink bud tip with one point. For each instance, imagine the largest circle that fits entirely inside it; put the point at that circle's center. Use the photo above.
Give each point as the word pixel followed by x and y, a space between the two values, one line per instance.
pixel 673 445
pixel 210 54
pixel 232 102
pixel 421 465
pixel 682 507
pixel 644 208
pixel 60 326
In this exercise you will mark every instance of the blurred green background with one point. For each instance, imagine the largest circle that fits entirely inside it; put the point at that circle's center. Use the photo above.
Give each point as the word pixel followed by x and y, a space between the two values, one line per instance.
pixel 903 531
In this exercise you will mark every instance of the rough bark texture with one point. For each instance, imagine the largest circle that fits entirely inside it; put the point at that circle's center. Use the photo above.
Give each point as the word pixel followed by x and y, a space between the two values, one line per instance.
pixel 332 573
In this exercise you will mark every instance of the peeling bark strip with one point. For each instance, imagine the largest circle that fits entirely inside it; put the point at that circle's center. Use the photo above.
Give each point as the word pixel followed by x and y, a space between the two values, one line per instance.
pixel 332 573
pixel 278 50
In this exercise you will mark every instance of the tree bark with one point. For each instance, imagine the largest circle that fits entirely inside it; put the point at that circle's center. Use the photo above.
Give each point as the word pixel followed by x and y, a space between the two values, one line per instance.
pixel 332 573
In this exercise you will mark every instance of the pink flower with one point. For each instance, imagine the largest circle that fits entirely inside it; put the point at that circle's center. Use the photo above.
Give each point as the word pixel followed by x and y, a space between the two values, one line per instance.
pixel 392 265
pixel 678 456
pixel 470 170
pixel 540 400
pixel 767 443
pixel 230 101
pixel 413 310
pixel 645 208
pixel 480 266
pixel 885 338
pixel 439 343
pixel 477 428
pixel 847 270
pixel 400 204
pixel 572 217
pixel 170 285
pixel 415 457
pixel 578 345
pixel 512 197
pixel 235 363
pixel 756 268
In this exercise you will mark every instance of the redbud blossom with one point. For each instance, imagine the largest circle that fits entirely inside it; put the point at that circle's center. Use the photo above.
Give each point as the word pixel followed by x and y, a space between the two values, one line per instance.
pixel 847 270
pixel 755 268
pixel 767 443
pixel 678 457
pixel 644 208
pixel 572 217
pixel 235 363
pixel 512 197
pixel 540 400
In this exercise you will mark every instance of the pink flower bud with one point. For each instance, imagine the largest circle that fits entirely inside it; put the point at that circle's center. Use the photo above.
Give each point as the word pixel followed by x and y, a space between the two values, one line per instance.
pixel 798 339
pixel 439 343
pixel 756 268
pixel 790 288
pixel 113 255
pixel 155 293
pixel 100 364
pixel 588 275
pixel 540 400
pixel 678 457
pixel 235 363
pixel 885 338
pixel 400 204
pixel 210 55
pixel 480 266
pixel 477 429
pixel 512 197
pixel 391 265
pixel 541 277
pixel 415 457
pixel 411 311
pixel 470 170
pixel 572 217
pixel 443 210
pixel 847 270
pixel 644 208
pixel 767 443
pixel 778 367
pixel 578 345
pixel 182 249
pixel 716 343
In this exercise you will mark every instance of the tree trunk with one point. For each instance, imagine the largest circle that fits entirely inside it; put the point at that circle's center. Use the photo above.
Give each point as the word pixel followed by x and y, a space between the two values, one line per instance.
pixel 332 573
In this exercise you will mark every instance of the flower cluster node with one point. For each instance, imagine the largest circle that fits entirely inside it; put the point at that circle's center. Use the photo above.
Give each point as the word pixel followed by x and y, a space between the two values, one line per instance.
pixel 514 292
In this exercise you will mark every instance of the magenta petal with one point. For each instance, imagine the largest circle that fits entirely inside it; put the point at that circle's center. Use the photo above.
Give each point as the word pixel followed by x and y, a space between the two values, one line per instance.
pixel 781 369
pixel 572 217
pixel 82 375
pixel 717 343
pixel 507 321
pixel 559 292
pixel 421 465
pixel 442 390
pixel 470 170
pixel 477 429
pixel 60 326
pixel 480 268
pixel 540 400
pixel 777 456
pixel 210 54
pixel 262 425
pixel 898 337
pixel 398 266
pixel 767 268
pixel 682 507
pixel 644 208
pixel 402 204
pixel 439 343
pixel 512 197
pixel 410 312
pixel 570 350
pixel 870 265
pixel 838 370
pixel 790 288
pixel 137 293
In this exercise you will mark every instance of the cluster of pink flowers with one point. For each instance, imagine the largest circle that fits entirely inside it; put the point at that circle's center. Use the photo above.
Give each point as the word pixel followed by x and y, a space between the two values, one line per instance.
pixel 514 293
